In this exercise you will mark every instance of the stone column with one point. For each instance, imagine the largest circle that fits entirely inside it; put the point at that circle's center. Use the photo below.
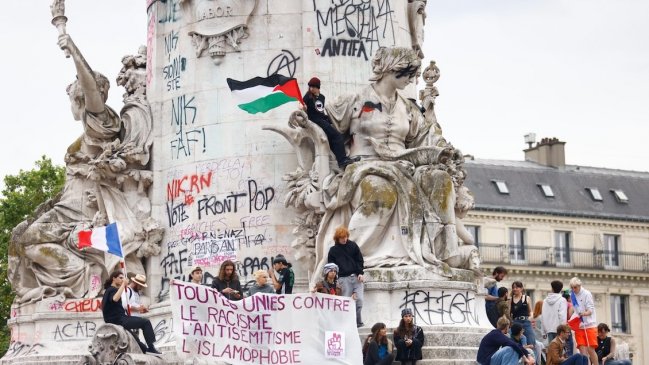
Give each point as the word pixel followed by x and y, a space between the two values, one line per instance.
pixel 218 176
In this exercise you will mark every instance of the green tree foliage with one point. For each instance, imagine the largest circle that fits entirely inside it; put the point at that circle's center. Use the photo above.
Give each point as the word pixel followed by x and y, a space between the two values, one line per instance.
pixel 20 197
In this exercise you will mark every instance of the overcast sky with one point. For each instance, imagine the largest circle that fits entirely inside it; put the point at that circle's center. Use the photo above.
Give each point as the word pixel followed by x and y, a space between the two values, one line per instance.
pixel 577 70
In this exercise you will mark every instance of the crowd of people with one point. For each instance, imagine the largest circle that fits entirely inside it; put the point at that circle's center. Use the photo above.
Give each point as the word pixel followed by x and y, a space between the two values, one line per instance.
pixel 561 329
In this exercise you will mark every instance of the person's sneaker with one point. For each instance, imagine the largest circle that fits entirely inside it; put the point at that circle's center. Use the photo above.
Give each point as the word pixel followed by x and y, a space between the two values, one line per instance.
pixel 360 324
pixel 153 350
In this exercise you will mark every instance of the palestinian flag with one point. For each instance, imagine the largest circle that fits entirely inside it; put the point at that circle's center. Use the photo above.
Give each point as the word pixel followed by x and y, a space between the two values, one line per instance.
pixel 259 94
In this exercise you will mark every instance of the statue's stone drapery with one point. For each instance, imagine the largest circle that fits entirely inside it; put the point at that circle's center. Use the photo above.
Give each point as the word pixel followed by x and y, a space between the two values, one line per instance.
pixel 400 201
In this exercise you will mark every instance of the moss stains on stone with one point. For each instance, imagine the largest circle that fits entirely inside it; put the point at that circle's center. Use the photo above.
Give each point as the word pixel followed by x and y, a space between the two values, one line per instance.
pixel 50 252
pixel 378 197
pixel 441 194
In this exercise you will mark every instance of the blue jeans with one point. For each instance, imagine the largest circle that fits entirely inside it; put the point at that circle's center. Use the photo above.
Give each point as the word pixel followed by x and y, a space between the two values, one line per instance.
pixel 576 359
pixel 618 362
pixel 505 356
pixel 529 331
pixel 350 285
pixel 568 346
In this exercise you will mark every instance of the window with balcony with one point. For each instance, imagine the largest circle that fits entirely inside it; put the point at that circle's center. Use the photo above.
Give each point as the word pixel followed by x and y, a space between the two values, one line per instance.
pixel 475 232
pixel 611 250
pixel 562 248
pixel 517 244
pixel 620 313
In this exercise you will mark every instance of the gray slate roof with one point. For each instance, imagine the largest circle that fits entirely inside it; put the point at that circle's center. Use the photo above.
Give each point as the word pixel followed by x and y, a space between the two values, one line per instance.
pixel 569 187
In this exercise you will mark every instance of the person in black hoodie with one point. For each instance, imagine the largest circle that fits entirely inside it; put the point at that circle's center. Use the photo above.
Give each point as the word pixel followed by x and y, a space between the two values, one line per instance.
pixel 348 257
pixel 314 103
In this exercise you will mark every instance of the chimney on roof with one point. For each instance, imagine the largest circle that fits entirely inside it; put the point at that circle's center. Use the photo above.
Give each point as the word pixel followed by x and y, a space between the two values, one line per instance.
pixel 548 152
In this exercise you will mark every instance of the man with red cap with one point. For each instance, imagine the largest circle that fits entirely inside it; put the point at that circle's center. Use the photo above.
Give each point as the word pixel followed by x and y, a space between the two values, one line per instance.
pixel 315 110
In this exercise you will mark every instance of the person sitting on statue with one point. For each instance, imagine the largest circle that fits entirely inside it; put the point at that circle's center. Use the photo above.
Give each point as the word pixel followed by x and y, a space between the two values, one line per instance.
pixel 329 283
pixel 314 103
pixel 409 339
pixel 227 283
pixel 398 201
pixel 131 299
pixel 113 311
pixel 261 284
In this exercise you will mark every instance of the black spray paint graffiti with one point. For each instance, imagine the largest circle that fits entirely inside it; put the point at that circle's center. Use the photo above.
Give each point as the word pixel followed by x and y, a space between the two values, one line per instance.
pixel 344 47
pixel 256 198
pixel 168 11
pixel 183 115
pixel 176 65
pixel 163 331
pixel 283 61
pixel 440 307
pixel 171 42
pixel 19 349
pixel 171 72
pixel 174 263
pixel 74 331
pixel 362 24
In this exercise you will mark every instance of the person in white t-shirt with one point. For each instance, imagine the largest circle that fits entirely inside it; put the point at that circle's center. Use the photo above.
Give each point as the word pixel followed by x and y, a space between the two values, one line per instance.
pixel 131 297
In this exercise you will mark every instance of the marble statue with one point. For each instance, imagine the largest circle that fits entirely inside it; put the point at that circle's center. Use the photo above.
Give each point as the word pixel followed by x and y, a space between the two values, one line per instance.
pixel 107 179
pixel 219 26
pixel 416 22
pixel 112 344
pixel 403 200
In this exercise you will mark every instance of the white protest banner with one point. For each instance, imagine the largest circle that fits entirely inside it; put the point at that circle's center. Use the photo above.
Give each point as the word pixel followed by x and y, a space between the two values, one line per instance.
pixel 264 328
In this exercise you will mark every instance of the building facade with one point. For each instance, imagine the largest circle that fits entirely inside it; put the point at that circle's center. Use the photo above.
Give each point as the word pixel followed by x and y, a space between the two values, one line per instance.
pixel 545 220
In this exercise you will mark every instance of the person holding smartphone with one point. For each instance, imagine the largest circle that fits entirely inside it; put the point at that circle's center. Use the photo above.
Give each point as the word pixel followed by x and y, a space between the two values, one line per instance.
pixel 409 339
pixel 227 283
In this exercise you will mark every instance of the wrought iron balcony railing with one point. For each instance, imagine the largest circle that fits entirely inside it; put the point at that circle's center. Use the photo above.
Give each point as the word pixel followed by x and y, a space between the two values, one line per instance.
pixel 568 258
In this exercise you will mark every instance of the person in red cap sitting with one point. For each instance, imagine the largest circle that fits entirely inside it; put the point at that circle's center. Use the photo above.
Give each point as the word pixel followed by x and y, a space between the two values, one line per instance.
pixel 315 110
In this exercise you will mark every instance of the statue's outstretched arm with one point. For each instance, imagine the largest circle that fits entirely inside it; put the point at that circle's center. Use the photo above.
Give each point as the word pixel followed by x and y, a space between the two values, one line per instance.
pixel 93 98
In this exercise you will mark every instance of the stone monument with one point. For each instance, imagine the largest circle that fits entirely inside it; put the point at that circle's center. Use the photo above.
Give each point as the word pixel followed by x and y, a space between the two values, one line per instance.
pixel 228 185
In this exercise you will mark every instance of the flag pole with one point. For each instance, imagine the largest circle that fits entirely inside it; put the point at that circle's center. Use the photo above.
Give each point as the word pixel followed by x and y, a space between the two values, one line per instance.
pixel 122 265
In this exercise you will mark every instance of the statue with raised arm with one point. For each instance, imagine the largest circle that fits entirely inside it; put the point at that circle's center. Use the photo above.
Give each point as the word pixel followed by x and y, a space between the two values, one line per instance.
pixel 399 200
pixel 107 180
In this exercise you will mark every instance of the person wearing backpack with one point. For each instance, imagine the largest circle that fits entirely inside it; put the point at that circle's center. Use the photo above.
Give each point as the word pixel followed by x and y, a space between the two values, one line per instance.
pixel 554 312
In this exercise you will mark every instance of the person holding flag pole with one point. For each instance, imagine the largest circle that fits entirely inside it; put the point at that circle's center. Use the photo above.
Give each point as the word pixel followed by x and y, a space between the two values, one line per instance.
pixel 107 239
pixel 583 321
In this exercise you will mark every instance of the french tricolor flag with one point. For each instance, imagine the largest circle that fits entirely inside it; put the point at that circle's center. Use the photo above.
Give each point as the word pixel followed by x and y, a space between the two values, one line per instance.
pixel 103 239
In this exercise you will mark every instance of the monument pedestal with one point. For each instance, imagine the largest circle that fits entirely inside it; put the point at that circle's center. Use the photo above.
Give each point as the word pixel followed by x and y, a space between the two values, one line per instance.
pixel 447 303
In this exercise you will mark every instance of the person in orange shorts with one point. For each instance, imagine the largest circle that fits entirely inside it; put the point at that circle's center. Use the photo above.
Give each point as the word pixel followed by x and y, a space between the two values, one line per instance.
pixel 584 306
